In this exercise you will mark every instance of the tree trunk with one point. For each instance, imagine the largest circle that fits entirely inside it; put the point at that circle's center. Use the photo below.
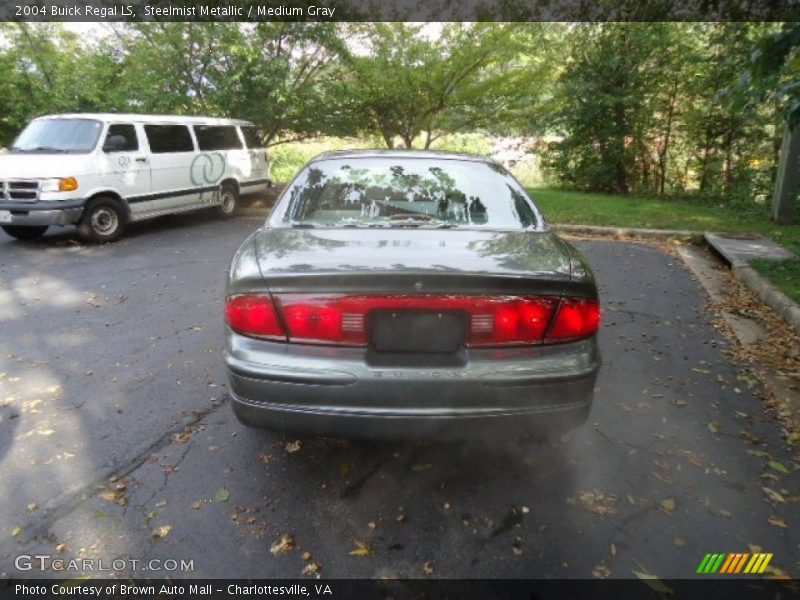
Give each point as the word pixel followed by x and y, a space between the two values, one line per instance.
pixel 728 171
pixel 662 155
pixel 704 167
pixel 787 179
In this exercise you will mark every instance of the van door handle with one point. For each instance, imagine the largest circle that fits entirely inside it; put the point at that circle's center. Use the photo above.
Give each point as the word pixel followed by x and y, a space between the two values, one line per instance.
pixel 141 159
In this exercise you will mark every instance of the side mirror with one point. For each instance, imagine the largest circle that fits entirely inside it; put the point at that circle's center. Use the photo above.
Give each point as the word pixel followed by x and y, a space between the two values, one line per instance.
pixel 115 143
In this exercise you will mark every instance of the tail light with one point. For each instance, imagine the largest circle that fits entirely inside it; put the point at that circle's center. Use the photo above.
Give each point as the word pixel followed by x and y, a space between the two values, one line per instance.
pixel 343 319
pixel 253 314
pixel 576 318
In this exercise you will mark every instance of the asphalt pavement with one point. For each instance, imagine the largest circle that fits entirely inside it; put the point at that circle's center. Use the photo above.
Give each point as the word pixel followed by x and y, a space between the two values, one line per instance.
pixel 117 441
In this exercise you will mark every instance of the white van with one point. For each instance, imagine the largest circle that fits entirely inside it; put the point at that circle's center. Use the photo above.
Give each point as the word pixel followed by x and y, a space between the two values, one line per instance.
pixel 103 171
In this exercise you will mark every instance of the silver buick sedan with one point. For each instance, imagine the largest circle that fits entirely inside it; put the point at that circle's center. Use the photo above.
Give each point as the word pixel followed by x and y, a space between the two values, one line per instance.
pixel 405 293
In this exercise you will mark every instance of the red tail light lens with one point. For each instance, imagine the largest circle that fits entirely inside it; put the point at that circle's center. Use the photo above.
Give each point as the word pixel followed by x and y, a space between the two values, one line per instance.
pixel 343 319
pixel 576 318
pixel 253 314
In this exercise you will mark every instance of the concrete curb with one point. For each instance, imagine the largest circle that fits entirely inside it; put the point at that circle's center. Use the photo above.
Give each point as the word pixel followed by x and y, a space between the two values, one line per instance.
pixel 769 294
pixel 661 234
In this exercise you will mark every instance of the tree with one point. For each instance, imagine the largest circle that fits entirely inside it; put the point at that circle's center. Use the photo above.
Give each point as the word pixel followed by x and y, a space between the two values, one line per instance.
pixel 605 92
pixel 401 82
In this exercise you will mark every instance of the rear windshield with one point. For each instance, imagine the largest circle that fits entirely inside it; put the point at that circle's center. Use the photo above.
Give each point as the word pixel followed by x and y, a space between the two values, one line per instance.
pixel 407 192
pixel 58 135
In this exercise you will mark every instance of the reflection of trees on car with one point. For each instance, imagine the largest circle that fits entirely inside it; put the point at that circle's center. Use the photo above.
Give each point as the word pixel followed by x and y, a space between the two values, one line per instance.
pixel 400 191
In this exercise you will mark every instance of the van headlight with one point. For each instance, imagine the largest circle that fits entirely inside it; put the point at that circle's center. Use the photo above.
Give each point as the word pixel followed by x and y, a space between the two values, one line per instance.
pixel 63 184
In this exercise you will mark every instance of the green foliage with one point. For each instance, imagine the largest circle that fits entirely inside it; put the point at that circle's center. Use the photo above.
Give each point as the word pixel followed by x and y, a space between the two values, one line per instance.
pixel 685 110
pixel 287 158
pixel 785 274
pixel 775 70
pixel 409 83
pixel 653 109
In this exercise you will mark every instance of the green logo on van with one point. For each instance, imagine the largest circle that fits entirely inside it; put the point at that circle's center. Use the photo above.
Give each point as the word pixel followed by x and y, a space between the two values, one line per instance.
pixel 207 168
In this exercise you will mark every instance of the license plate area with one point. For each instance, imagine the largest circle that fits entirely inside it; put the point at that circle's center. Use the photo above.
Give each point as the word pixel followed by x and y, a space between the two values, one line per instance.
pixel 417 330
pixel 5 216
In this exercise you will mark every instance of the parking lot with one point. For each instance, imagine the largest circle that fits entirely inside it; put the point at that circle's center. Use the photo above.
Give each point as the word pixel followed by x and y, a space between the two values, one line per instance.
pixel 116 439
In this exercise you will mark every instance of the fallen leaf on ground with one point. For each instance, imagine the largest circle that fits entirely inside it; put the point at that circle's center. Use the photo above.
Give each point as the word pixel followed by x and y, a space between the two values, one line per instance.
pixel 115 496
pixel 61 547
pixel 293 447
pixel 306 555
pixel 344 469
pixel 311 568
pixel 668 505
pixel 601 571
pixel 598 502
pixel 419 467
pixel 283 545
pixel 679 542
pixel 773 495
pixel 16 531
pixel 182 437
pixel 361 549
pixel 778 467
pixel 162 532
pixel 776 573
pixel 427 568
pixel 713 427
pixel 777 522
pixel 222 495
pixel 653 582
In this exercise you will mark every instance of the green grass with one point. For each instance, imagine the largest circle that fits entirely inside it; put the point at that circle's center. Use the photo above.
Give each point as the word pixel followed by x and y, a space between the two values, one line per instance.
pixel 626 211
pixel 785 274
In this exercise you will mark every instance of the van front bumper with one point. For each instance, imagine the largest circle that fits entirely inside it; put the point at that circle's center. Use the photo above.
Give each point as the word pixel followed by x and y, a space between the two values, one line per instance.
pixel 42 213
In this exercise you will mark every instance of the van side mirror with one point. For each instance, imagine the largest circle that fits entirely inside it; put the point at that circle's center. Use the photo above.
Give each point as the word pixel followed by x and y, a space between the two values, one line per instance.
pixel 115 143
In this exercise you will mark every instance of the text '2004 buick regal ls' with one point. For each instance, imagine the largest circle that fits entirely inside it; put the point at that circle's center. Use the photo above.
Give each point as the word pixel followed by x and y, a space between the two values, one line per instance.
pixel 404 293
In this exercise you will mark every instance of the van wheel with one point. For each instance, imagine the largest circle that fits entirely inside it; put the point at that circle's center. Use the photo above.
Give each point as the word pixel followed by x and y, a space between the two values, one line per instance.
pixel 25 233
pixel 229 201
pixel 103 221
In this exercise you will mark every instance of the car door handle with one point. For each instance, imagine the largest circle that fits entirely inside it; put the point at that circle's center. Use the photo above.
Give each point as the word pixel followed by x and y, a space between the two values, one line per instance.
pixel 141 159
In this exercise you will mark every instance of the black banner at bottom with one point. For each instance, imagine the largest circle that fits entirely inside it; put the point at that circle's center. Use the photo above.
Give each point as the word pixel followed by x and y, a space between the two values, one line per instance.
pixel 461 589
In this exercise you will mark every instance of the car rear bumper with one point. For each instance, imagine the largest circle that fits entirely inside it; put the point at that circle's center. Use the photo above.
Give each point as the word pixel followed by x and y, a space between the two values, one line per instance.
pixel 39 214
pixel 335 391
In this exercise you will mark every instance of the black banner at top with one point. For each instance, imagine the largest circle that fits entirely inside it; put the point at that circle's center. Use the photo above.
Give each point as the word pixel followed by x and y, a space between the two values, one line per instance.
pixel 400 10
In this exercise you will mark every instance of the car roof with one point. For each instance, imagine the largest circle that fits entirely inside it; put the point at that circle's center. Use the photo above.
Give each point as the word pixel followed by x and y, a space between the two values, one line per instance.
pixel 402 153
pixel 138 118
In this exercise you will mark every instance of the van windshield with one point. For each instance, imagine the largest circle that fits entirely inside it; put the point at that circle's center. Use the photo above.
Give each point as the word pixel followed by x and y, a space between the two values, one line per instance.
pixel 58 135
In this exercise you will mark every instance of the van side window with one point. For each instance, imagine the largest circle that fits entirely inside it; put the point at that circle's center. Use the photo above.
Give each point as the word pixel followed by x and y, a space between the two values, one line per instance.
pixel 169 138
pixel 252 137
pixel 121 138
pixel 214 137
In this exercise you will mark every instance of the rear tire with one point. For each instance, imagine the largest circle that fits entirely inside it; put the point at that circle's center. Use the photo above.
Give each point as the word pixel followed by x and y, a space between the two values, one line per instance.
pixel 21 232
pixel 103 221
pixel 229 201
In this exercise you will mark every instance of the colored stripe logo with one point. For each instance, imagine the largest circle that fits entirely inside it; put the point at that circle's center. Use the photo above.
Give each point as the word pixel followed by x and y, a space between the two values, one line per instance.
pixel 734 562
